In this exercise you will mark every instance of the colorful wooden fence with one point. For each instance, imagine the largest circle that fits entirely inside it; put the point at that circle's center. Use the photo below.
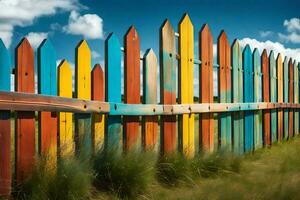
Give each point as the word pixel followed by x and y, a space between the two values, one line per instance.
pixel 257 102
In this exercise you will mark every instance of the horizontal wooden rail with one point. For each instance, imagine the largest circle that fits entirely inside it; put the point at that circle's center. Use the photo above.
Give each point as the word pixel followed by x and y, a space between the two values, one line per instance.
pixel 17 101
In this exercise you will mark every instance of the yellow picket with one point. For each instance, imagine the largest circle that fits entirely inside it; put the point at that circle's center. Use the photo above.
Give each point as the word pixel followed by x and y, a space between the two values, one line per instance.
pixel 66 144
pixel 186 73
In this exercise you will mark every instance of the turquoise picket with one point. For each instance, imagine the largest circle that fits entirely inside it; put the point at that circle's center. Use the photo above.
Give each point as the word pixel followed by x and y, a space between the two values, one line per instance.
pixel 286 96
pixel 237 94
pixel 273 96
pixel 258 135
pixel 113 89
pixel 248 97
pixel 5 130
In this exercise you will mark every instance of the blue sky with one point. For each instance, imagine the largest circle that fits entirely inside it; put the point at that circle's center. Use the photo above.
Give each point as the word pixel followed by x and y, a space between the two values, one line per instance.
pixel 263 24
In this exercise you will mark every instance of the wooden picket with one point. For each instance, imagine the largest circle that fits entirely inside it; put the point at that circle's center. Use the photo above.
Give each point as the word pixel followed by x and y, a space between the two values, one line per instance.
pixel 291 98
pixel 273 96
pixel 248 97
pixel 296 97
pixel 98 125
pixel 25 121
pixel 206 120
pixel 224 61
pixel 286 96
pixel 237 94
pixel 47 85
pixel 65 130
pixel 83 137
pixel 258 136
pixel 280 84
pixel 266 97
pixel 5 131
pixel 150 123
pixel 168 85
pixel 186 84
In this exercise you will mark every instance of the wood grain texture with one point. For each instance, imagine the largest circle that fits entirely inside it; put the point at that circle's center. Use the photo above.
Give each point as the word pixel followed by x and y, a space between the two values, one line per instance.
pixel 296 97
pixel 83 135
pixel 113 131
pixel 150 123
pixel 65 131
pixel 168 85
pixel 186 85
pixel 206 121
pixel 280 119
pixel 98 125
pixel 224 61
pixel 286 96
pixel 291 98
pixel 5 131
pixel 25 121
pixel 273 96
pixel 131 86
pixel 266 98
pixel 248 97
pixel 47 85
pixel 258 136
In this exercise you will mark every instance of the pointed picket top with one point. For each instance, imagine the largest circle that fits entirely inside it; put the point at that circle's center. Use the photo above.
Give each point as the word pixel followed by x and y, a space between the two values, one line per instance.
pixel 223 37
pixel 185 20
pixel 46 44
pixel 112 39
pixel 286 59
pixel 168 36
pixel 131 34
pixel 64 66
pixel 97 69
pixel 264 53
pixel 205 31
pixel 236 43
pixel 247 49
pixel 256 61
pixel 256 52
pixel 24 43
pixel 83 45
pixel 5 67
pixel 279 58
pixel 294 63
pixel 271 56
pixel 290 61
pixel 150 54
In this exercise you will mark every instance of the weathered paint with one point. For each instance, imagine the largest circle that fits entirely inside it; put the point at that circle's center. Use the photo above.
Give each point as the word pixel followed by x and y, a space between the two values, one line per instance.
pixel 113 132
pixel 25 121
pixel 248 97
pixel 291 98
pixel 224 61
pixel 186 85
pixel 150 123
pixel 83 135
pixel 237 94
pixel 98 125
pixel 5 131
pixel 258 136
pixel 296 97
pixel 266 97
pixel 273 96
pixel 286 96
pixel 280 96
pixel 47 85
pixel 206 121
pixel 65 131
pixel 168 85
pixel 131 86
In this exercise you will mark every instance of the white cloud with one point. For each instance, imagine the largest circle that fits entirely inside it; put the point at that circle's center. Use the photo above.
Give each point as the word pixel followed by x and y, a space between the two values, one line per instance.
pixel 265 33
pixel 269 45
pixel 90 26
pixel 23 13
pixel 95 54
pixel 291 37
pixel 36 39
pixel 292 25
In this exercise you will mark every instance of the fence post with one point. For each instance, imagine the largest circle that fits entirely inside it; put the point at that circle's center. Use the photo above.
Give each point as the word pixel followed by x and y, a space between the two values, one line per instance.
pixel 273 96
pixel 98 125
pixel 5 134
pixel 286 96
pixel 291 98
pixel 83 136
pixel 266 97
pixel 47 85
pixel 238 97
pixel 296 98
pixel 258 136
pixel 150 123
pixel 280 96
pixel 168 85
pixel 248 97
pixel 131 86
pixel 206 95
pixel 65 131
pixel 186 85
pixel 25 121
pixel 113 90
pixel 224 61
